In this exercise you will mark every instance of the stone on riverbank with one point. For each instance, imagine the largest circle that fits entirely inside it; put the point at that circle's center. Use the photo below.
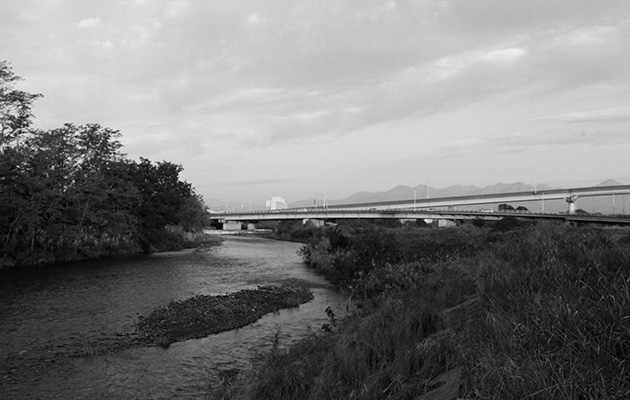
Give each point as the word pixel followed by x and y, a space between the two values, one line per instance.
pixel 204 315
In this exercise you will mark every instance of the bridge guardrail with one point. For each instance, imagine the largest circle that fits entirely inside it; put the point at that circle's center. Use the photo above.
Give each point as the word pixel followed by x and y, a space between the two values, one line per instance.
pixel 411 211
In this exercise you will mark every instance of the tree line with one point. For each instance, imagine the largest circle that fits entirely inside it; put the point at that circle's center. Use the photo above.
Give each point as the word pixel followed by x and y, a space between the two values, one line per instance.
pixel 70 193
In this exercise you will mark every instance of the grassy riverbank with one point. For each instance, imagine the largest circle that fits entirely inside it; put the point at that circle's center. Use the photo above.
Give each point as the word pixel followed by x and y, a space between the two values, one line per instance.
pixel 540 312
pixel 173 238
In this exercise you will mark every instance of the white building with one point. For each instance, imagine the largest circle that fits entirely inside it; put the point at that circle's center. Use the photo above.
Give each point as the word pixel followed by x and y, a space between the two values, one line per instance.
pixel 276 203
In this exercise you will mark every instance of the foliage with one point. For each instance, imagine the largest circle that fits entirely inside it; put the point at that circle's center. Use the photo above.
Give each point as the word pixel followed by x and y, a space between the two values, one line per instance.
pixel 295 231
pixel 15 107
pixel 505 207
pixel 478 222
pixel 164 201
pixel 507 224
pixel 346 253
pixel 69 192
pixel 342 258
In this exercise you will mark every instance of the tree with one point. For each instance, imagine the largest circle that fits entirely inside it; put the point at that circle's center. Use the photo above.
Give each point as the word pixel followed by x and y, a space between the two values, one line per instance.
pixel 165 201
pixel 67 199
pixel 69 192
pixel 15 120
pixel 505 207
pixel 478 222
pixel 15 106
pixel 193 215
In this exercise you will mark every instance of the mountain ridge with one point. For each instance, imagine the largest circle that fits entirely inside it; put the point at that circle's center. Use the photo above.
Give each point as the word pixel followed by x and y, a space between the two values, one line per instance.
pixel 403 192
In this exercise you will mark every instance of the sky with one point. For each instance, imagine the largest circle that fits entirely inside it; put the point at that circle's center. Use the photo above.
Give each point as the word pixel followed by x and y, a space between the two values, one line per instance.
pixel 306 98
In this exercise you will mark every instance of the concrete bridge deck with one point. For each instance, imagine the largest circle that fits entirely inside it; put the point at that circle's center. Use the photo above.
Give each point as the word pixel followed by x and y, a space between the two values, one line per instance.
pixel 426 208
pixel 330 214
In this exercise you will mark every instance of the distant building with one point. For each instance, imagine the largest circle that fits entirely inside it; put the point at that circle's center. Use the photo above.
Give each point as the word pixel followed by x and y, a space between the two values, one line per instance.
pixel 276 203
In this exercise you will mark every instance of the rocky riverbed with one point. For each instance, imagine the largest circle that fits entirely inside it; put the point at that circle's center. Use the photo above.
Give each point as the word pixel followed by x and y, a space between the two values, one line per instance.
pixel 203 315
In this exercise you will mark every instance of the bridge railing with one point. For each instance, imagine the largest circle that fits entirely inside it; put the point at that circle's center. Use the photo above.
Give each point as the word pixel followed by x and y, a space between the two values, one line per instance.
pixel 411 210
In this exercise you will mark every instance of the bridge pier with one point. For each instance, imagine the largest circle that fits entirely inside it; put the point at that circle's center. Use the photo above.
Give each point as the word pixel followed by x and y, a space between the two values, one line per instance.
pixel 232 226
pixel 571 200
pixel 316 222
pixel 446 223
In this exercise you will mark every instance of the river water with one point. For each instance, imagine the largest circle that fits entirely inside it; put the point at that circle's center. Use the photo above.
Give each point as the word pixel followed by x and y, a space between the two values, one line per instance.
pixel 49 313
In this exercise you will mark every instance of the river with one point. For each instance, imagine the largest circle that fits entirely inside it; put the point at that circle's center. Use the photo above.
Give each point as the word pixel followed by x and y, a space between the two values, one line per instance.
pixel 48 313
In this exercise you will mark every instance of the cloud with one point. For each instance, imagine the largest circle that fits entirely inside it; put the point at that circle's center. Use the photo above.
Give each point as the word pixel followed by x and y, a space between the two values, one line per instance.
pixel 176 8
pixel 605 115
pixel 581 57
pixel 504 55
pixel 377 12
pixel 89 23
pixel 254 181
pixel 136 36
pixel 103 44
pixel 186 78
pixel 255 19
pixel 589 36
pixel 276 113
pixel 589 137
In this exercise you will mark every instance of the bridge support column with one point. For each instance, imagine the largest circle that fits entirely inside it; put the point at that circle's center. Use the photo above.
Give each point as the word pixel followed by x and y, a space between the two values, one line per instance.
pixel 571 200
pixel 445 223
pixel 316 222
pixel 232 226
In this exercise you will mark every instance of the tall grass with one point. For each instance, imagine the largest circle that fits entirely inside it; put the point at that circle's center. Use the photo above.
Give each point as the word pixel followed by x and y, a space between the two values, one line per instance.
pixel 557 323
pixel 536 312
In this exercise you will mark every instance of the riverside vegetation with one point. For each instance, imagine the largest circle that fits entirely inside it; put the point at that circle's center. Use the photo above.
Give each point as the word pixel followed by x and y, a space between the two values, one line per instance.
pixel 511 311
pixel 69 193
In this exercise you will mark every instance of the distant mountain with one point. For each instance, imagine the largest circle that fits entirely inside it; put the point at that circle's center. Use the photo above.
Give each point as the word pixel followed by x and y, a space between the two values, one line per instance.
pixel 513 188
pixel 403 192
pixel 609 182
pixel 456 190
pixel 400 192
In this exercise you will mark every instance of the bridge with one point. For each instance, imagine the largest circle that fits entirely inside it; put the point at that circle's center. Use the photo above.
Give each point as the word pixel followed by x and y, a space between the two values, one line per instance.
pixel 569 195
pixel 442 208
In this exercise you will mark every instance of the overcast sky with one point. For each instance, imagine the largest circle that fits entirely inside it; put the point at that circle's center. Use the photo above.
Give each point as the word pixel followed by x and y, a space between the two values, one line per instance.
pixel 296 97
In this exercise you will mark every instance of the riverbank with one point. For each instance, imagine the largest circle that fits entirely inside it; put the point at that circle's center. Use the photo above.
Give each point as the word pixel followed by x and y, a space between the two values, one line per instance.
pixel 512 312
pixel 118 249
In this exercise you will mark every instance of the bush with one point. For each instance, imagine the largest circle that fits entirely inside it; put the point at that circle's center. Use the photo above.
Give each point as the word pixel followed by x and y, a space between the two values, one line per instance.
pixel 507 224
pixel 344 259
pixel 440 244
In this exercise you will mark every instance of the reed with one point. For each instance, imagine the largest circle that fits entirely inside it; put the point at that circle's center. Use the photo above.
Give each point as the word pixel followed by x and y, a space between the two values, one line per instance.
pixel 533 312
